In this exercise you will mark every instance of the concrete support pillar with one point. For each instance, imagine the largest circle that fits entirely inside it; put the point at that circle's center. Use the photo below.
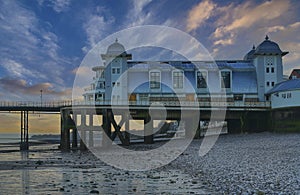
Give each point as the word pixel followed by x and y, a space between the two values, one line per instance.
pixel 106 136
pixel 91 133
pixel 65 131
pixel 148 130
pixel 189 128
pixel 191 124
pixel 83 130
pixel 75 133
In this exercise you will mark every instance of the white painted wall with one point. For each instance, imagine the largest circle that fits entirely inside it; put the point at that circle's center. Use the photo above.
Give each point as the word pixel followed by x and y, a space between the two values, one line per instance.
pixel 285 99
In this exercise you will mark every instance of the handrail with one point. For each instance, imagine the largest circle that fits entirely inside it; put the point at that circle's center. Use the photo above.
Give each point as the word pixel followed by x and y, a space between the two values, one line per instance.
pixel 65 103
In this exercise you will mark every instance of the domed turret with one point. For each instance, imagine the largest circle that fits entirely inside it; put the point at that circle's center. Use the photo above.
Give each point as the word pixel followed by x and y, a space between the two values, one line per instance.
pixel 268 47
pixel 250 54
pixel 115 48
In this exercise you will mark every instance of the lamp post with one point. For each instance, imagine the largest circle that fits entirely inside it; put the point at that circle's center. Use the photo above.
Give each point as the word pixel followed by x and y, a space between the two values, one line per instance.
pixel 41 97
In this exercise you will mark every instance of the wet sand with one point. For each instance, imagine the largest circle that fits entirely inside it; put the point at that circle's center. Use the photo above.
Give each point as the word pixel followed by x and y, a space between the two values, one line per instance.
pixel 49 171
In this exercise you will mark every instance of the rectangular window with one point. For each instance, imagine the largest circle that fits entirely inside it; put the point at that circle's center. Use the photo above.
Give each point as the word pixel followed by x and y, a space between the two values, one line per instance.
pixel 113 84
pixel 273 84
pixel 101 85
pixel 115 70
pixel 238 97
pixel 178 79
pixel 154 80
pixel 267 69
pixel 268 83
pixel 272 69
pixel 226 79
pixel 201 79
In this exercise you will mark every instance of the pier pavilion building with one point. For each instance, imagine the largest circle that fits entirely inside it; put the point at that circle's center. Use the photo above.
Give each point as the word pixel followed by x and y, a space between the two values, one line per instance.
pixel 246 80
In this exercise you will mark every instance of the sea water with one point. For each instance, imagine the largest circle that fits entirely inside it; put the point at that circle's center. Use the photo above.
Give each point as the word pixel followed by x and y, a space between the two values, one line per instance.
pixel 9 138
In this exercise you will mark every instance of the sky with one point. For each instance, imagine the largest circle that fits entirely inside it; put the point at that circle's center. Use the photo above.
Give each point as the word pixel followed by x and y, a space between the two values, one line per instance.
pixel 44 41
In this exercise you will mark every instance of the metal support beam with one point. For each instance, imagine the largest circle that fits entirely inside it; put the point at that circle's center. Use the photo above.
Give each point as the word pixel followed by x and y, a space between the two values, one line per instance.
pixel 117 128
pixel 24 144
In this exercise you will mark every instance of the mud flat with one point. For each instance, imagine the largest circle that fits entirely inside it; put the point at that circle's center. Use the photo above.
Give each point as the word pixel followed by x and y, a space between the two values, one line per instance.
pixel 49 171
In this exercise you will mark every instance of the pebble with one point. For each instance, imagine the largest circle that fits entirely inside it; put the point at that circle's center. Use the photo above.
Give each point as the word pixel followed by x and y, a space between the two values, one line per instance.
pixel 256 163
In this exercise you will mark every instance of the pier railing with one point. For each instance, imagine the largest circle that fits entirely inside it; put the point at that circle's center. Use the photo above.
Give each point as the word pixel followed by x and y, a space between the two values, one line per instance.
pixel 58 104
pixel 50 104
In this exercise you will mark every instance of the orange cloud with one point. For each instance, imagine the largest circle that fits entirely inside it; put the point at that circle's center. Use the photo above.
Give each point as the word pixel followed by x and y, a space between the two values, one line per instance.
pixel 199 14
pixel 17 86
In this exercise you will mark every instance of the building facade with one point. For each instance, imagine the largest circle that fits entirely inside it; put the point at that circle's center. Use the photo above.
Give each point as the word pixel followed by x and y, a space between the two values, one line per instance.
pixel 248 80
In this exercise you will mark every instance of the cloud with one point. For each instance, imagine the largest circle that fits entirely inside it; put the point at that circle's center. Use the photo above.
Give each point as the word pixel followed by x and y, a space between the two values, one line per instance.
pixel 288 40
pixel 18 70
pixel 20 88
pixel 29 49
pixel 96 26
pixel 137 16
pixel 199 14
pixel 234 18
pixel 83 71
pixel 57 5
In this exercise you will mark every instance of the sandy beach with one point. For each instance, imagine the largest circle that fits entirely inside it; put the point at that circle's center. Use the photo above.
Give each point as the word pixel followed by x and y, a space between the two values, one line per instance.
pixel 262 163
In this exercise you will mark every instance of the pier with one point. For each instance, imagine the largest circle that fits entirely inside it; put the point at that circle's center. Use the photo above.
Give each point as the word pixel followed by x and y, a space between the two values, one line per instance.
pixel 78 125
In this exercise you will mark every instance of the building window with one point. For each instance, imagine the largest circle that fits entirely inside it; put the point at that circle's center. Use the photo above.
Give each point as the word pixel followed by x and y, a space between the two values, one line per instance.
pixel 268 83
pixel 272 69
pixel 143 97
pixel 155 80
pixel 267 69
pixel 226 80
pixel 178 79
pixel 201 79
pixel 101 85
pixel 113 84
pixel 115 70
pixel 102 74
pixel 238 97
pixel 273 83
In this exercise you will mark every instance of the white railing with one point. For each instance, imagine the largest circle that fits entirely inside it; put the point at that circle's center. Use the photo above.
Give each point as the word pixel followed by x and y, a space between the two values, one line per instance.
pixel 57 104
